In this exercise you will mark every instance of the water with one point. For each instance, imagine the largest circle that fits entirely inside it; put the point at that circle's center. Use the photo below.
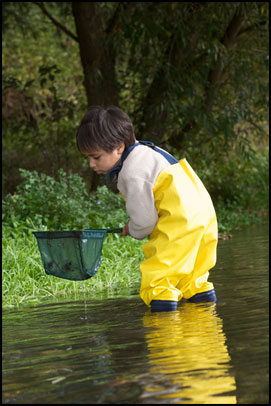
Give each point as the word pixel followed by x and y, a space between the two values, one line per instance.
pixel 116 351
pixel 85 301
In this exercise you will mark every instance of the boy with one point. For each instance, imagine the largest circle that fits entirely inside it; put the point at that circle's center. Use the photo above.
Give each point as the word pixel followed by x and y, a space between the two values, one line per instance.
pixel 165 200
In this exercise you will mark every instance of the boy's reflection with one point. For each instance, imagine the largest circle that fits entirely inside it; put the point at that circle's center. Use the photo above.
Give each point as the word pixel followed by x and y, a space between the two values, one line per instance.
pixel 188 356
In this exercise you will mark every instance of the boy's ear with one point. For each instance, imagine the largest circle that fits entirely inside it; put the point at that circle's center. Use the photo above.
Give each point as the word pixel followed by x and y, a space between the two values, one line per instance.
pixel 121 148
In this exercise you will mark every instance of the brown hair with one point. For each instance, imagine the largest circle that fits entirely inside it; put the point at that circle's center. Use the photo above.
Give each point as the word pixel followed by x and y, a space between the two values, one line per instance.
pixel 104 128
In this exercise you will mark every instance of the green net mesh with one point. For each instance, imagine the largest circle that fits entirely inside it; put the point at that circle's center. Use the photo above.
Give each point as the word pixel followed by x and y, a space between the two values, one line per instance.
pixel 73 255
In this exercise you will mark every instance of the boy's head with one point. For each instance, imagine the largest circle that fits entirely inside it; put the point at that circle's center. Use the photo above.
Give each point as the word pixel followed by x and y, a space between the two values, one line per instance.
pixel 104 129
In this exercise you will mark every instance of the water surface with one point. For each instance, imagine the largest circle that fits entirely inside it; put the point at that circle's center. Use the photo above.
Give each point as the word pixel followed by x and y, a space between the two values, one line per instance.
pixel 116 351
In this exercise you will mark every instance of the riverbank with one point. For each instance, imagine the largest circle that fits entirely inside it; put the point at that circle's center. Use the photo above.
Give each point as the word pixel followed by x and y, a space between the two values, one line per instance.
pixel 44 203
pixel 25 282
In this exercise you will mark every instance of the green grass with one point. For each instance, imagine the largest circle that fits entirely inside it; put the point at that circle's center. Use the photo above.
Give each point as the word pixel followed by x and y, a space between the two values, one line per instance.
pixel 25 281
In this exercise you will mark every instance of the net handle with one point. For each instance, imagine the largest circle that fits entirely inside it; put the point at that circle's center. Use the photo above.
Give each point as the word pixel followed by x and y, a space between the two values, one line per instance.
pixel 114 230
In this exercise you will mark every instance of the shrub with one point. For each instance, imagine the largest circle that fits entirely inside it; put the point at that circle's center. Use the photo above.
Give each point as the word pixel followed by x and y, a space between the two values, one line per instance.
pixel 241 181
pixel 41 202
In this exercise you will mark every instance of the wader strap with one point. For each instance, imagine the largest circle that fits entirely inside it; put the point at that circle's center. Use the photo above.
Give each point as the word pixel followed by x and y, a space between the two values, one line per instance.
pixel 114 171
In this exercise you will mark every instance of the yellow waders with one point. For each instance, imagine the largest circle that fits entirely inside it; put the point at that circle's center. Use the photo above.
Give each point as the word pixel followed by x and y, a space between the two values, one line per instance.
pixel 182 246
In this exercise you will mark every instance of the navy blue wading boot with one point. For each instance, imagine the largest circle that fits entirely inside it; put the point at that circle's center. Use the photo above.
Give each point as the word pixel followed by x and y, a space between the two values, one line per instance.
pixel 163 305
pixel 171 305
pixel 208 296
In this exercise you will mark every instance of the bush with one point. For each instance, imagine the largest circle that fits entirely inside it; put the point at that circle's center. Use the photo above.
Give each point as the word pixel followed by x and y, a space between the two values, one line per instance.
pixel 41 202
pixel 238 180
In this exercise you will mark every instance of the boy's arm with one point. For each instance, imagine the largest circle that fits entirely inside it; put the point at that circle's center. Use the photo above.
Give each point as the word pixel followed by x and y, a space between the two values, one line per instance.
pixel 125 230
pixel 135 182
pixel 140 207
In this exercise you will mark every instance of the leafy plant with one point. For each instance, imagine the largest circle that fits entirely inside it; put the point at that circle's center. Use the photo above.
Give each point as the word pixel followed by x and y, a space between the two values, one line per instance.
pixel 42 202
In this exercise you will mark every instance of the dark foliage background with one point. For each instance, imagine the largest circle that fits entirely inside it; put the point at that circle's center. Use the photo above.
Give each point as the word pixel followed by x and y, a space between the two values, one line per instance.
pixel 193 76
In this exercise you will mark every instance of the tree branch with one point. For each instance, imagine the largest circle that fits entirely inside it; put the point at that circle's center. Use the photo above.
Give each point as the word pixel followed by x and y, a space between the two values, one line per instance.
pixel 113 22
pixel 55 22
pixel 214 75
pixel 251 27
pixel 233 29
pixel 174 55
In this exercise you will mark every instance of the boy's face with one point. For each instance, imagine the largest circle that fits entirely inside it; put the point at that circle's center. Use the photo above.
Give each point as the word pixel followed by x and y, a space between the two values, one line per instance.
pixel 102 161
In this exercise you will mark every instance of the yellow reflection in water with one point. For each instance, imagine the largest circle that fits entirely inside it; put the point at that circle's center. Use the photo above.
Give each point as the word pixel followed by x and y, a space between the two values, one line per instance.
pixel 188 356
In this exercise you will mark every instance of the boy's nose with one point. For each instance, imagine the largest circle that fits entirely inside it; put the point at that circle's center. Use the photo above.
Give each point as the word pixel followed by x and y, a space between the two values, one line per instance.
pixel 91 163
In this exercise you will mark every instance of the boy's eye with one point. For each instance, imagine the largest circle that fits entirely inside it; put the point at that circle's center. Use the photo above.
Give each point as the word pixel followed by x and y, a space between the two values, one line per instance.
pixel 93 156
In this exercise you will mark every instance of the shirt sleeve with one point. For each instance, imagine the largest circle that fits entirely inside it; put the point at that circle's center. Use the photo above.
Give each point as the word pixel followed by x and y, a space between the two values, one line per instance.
pixel 140 207
pixel 136 181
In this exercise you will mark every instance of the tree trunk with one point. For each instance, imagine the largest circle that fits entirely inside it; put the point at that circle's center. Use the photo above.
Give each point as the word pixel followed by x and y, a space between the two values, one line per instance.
pixel 97 56
pixel 98 60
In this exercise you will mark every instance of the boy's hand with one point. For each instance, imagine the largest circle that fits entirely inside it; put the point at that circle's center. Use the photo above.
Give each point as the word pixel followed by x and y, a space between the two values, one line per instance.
pixel 125 230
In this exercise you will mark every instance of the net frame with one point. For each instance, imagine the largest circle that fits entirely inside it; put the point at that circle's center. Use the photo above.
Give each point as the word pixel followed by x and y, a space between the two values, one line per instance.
pixel 73 255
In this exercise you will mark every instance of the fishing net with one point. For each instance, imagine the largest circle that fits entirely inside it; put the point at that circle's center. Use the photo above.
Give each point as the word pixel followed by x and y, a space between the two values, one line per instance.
pixel 73 255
